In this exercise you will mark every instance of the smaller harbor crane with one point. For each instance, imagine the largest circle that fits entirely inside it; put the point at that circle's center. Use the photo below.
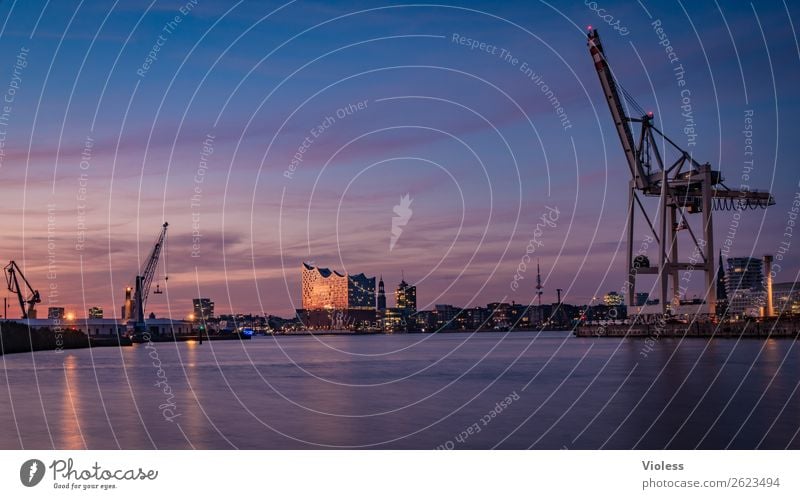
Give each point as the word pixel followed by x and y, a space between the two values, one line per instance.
pixel 145 279
pixel 26 295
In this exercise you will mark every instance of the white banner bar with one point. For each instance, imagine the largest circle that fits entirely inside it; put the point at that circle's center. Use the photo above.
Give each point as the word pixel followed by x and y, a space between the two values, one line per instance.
pixel 400 474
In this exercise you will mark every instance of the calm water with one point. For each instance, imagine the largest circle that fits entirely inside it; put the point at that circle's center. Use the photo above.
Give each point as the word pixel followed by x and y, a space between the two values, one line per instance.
pixel 407 391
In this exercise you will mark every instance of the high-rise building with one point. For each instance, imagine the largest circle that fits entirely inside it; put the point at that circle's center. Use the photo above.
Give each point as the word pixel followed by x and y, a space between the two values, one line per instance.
pixel 381 295
pixel 203 308
pixel 96 313
pixel 744 286
pixel 641 299
pixel 744 273
pixel 406 297
pixel 324 289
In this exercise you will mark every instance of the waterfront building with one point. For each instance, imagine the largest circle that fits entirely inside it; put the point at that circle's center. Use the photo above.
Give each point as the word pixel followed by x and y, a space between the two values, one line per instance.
pixel 55 313
pixel 332 300
pixel 745 303
pixel 606 313
pixel 394 320
pixel 325 289
pixel 641 299
pixel 612 299
pixel 106 327
pixel 540 314
pixel 474 319
pixel 503 316
pixel 744 286
pixel 445 316
pixel 360 292
pixel 203 309
pixel 425 320
pixel 744 273
pixel 406 297
pixel 786 298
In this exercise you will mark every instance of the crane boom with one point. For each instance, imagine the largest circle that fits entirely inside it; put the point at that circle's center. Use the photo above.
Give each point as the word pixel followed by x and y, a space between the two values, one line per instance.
pixel 621 121
pixel 11 271
pixel 145 278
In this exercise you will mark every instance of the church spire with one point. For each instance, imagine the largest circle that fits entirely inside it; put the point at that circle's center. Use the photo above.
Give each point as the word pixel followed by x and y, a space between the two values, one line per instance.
pixel 722 294
pixel 381 295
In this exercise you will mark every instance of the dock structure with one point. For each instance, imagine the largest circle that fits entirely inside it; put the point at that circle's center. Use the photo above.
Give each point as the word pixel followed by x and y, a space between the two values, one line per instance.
pixel 766 328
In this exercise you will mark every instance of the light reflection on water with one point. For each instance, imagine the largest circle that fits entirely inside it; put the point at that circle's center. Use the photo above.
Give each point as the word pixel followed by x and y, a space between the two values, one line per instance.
pixel 298 392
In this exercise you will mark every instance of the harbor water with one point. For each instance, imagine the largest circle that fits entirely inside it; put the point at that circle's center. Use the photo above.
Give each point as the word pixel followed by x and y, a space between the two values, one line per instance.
pixel 516 390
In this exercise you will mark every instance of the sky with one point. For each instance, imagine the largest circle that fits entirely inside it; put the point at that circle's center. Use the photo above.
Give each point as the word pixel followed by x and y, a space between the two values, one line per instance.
pixel 268 134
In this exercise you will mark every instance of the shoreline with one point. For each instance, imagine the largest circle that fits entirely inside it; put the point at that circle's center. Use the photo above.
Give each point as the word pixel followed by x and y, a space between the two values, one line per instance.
pixel 19 338
pixel 766 329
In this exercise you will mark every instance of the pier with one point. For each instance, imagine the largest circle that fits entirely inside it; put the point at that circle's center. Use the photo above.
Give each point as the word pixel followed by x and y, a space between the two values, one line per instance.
pixel 767 328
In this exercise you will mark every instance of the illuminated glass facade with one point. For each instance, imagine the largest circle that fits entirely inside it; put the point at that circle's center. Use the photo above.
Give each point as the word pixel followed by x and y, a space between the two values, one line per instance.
pixel 323 288
pixel 361 292
pixel 327 289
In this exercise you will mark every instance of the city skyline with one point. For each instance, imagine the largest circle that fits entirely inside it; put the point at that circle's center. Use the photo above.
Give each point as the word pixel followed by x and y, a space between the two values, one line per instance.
pixel 255 171
pixel 743 275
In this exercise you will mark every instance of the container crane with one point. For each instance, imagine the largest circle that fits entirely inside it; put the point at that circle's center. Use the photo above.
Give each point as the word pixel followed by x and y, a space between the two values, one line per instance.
pixel 12 270
pixel 145 279
pixel 682 186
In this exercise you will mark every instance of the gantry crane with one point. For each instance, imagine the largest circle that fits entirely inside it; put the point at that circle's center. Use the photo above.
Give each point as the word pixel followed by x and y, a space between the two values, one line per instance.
pixel 682 187
pixel 12 270
pixel 145 279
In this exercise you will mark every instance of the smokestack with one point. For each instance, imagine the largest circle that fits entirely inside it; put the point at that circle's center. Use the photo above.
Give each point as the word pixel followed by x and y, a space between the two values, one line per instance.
pixel 768 310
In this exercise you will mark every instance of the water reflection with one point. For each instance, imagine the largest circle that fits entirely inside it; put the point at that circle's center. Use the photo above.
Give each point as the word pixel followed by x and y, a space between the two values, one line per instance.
pixel 68 426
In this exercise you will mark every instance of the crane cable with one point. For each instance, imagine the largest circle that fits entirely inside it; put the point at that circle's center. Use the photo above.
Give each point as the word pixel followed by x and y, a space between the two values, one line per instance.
pixel 728 204
pixel 625 94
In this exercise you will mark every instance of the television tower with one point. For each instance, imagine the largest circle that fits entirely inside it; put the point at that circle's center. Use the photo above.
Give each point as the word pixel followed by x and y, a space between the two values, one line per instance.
pixel 539 286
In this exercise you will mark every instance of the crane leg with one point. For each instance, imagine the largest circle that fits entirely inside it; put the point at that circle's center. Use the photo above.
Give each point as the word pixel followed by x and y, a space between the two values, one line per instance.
pixel 673 251
pixel 631 269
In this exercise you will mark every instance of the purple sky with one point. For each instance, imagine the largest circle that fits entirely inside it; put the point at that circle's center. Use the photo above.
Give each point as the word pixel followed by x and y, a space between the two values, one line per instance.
pixel 466 134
